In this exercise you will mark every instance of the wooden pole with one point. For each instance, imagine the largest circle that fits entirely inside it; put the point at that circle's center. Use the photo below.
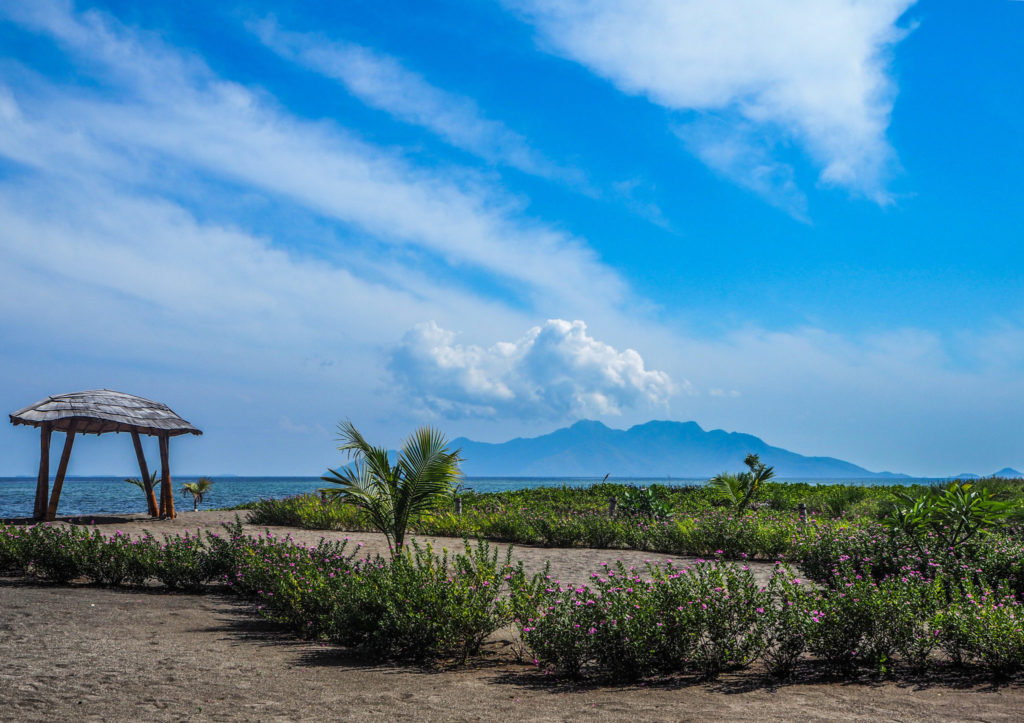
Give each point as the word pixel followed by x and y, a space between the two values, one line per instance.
pixel 58 483
pixel 43 482
pixel 144 470
pixel 166 493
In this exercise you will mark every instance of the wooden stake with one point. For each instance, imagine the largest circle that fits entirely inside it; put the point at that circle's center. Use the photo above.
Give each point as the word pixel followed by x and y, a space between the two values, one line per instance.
pixel 58 483
pixel 144 470
pixel 43 481
pixel 166 493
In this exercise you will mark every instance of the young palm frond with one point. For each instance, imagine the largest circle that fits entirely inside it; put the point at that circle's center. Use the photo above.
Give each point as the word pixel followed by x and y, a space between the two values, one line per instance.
pixel 740 489
pixel 142 485
pixel 393 495
pixel 197 489
pixel 730 486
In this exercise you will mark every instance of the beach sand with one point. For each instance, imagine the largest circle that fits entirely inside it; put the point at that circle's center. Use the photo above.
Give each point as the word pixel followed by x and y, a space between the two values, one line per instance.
pixel 87 653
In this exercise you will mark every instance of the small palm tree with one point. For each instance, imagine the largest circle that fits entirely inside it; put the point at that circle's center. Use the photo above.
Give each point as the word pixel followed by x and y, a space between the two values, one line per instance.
pixel 197 489
pixel 423 476
pixel 740 489
pixel 147 487
pixel 142 485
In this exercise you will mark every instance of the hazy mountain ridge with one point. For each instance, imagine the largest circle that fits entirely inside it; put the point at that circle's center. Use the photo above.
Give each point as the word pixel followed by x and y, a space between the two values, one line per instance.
pixel 1006 472
pixel 655 449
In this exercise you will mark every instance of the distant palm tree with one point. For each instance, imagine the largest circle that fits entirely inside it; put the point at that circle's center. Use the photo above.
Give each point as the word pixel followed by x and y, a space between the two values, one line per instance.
pixel 147 488
pixel 197 489
pixel 423 476
pixel 740 489
pixel 142 485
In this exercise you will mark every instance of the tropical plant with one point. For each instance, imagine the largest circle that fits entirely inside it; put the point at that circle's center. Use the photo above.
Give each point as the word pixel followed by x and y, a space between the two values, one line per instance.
pixel 954 514
pixel 197 489
pixel 740 489
pixel 644 502
pixel 393 495
pixel 142 485
pixel 147 487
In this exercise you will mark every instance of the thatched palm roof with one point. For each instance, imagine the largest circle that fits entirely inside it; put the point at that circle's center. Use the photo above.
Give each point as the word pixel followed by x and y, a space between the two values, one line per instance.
pixel 101 411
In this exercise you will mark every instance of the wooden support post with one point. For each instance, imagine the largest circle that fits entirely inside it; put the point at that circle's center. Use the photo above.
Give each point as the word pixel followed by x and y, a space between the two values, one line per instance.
pixel 802 511
pixel 58 483
pixel 458 506
pixel 144 470
pixel 612 503
pixel 166 493
pixel 43 482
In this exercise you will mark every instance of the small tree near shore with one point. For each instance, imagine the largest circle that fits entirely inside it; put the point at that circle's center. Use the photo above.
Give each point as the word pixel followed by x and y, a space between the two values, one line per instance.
pixel 197 489
pixel 423 476
pixel 741 489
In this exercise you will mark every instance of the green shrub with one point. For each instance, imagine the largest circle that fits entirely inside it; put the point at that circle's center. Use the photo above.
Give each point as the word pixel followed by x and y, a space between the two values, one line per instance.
pixel 180 562
pixel 14 550
pixel 705 619
pixel 115 560
pixel 987 627
pixel 307 511
pixel 56 553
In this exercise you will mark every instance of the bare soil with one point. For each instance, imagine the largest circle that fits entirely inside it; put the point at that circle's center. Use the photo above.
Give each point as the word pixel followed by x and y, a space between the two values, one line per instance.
pixel 87 653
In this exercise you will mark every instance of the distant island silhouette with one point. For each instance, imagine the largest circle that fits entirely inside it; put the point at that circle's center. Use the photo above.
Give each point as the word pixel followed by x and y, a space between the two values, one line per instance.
pixel 656 449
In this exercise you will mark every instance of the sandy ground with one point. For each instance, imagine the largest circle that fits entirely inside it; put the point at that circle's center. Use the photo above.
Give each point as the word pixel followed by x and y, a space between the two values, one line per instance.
pixel 88 653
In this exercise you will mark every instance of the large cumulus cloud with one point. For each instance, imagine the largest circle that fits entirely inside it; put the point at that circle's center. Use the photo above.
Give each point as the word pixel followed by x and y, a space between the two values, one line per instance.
pixel 554 371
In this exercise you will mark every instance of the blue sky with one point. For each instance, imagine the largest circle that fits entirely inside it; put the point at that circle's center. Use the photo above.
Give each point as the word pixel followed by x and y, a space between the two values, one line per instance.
pixel 795 219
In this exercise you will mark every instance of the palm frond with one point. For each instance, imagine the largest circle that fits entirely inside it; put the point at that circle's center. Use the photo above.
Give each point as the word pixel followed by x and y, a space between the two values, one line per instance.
pixel 394 494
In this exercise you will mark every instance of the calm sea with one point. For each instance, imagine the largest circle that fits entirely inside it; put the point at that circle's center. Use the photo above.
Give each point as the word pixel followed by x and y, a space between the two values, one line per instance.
pixel 96 495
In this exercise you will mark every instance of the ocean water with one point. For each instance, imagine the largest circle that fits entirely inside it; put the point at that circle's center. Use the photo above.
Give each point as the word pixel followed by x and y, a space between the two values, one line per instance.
pixel 98 495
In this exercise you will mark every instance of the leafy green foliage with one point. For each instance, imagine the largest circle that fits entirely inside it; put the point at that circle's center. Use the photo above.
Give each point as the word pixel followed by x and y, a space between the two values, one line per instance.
pixel 310 512
pixel 740 490
pixel 198 490
pixel 393 495
pixel 645 502
pixel 142 485
pixel 954 514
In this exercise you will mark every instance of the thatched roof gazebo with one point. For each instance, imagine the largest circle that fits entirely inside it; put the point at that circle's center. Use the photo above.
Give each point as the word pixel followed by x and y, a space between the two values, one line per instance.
pixel 98 412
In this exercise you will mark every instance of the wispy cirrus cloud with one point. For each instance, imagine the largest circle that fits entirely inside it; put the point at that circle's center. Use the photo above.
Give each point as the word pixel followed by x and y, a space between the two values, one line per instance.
pixel 161 106
pixel 814 72
pixel 383 82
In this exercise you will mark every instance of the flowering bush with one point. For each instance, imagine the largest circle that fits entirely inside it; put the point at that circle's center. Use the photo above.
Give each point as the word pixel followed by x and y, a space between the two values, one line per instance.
pixel 986 626
pixel 870 599
pixel 54 552
pixel 704 618
pixel 115 560
pixel 14 558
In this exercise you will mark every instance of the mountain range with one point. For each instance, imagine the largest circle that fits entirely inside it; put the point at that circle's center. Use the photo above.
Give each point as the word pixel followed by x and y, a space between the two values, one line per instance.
pixel 655 449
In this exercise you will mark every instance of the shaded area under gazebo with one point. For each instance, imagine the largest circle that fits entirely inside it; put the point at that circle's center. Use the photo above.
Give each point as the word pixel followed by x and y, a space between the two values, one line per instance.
pixel 98 412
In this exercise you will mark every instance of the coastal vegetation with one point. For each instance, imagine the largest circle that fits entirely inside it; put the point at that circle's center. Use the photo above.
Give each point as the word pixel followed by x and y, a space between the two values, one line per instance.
pixel 391 496
pixel 692 520
pixel 855 598
pixel 198 490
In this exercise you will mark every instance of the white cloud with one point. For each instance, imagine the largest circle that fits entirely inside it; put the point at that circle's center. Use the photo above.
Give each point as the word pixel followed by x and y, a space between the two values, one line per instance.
pixel 814 71
pixel 735 151
pixel 382 82
pixel 555 371
pixel 167 108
